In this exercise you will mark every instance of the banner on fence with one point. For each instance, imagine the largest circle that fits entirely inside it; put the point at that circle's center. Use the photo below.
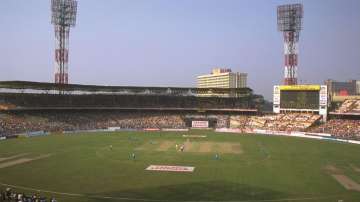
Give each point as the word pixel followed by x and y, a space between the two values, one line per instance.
pixel 151 129
pixel 228 130
pixel 113 128
pixel 200 124
pixel 175 129
pixel 36 133
pixel 168 168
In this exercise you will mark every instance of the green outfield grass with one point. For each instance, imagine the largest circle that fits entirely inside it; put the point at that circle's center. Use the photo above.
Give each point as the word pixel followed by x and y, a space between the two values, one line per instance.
pixel 83 167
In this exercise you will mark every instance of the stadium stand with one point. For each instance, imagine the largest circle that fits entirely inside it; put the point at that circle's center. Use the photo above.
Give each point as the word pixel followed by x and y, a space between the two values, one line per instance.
pixel 33 106
pixel 27 107
pixel 344 120
pixel 57 121
pixel 20 95
pixel 278 122
pixel 43 101
pixel 341 128
pixel 350 106
pixel 338 127
pixel 21 122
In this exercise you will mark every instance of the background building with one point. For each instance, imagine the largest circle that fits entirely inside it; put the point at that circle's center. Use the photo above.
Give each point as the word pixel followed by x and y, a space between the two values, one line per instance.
pixel 340 91
pixel 222 78
pixel 342 88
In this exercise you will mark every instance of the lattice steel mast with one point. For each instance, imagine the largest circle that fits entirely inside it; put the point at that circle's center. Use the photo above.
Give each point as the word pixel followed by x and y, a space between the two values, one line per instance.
pixel 289 22
pixel 63 17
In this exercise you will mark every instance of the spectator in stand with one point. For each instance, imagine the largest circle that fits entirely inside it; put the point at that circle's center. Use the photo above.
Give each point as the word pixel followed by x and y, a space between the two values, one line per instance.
pixel 340 128
pixel 88 120
pixel 349 106
pixel 278 122
pixel 22 122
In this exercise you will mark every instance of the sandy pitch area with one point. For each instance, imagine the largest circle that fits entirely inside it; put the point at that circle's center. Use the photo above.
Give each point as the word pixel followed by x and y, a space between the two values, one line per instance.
pixel 344 180
pixel 12 157
pixel 195 146
pixel 21 161
pixel 357 169
pixel 165 145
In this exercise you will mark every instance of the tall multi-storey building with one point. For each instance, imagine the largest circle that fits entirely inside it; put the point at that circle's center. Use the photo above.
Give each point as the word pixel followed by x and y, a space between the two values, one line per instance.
pixel 222 78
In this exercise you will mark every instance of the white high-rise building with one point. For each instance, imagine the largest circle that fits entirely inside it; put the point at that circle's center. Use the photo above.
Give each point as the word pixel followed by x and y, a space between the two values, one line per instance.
pixel 222 78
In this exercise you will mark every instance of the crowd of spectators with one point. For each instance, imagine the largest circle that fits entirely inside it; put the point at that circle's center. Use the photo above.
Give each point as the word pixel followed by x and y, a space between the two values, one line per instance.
pixel 9 195
pixel 341 128
pixel 238 121
pixel 13 124
pixel 349 106
pixel 278 122
pixel 58 121
pixel 139 121
pixel 86 120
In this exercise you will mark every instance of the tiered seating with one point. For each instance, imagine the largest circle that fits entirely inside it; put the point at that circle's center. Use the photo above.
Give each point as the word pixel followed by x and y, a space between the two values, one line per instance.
pixel 349 106
pixel 342 128
pixel 23 100
pixel 86 120
pixel 238 121
pixel 279 122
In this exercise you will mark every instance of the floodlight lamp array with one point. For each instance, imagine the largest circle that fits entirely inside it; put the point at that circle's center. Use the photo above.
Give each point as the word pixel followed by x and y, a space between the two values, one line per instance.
pixel 63 12
pixel 289 17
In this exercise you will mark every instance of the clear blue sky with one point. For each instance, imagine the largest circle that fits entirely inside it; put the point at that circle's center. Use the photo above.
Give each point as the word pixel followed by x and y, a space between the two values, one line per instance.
pixel 170 42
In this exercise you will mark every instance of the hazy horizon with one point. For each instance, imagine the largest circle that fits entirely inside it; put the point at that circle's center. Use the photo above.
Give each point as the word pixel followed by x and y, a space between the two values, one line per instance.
pixel 169 43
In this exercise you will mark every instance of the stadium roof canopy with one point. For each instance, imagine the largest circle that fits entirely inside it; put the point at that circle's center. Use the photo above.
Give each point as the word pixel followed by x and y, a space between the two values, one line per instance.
pixel 43 87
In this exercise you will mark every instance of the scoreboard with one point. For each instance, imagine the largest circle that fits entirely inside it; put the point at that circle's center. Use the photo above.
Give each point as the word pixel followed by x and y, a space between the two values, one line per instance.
pixel 300 98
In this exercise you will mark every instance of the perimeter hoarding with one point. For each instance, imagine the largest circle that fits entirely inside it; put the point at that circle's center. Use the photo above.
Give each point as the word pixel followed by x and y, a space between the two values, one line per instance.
pixel 169 168
pixel 200 124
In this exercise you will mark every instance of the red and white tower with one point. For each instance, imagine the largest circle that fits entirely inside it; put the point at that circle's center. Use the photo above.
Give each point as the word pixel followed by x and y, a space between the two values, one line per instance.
pixel 63 17
pixel 289 22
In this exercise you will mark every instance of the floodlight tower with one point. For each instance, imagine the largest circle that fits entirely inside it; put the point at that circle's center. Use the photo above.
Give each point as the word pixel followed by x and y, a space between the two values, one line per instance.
pixel 289 22
pixel 63 17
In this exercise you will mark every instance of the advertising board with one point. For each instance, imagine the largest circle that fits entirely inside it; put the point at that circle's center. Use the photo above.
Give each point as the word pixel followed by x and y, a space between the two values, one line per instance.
pixel 300 87
pixel 200 124
pixel 168 168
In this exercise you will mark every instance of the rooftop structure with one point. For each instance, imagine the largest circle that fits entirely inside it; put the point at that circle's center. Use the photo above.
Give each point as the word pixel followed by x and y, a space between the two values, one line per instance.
pixel 222 78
